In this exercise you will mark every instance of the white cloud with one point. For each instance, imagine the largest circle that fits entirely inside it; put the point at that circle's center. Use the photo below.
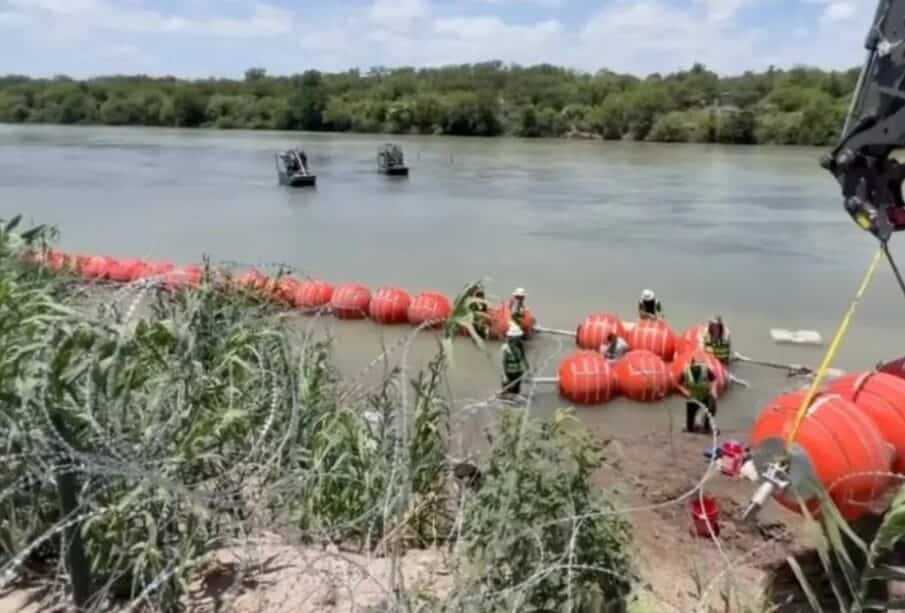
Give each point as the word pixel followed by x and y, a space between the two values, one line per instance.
pixel 398 14
pixel 838 11
pixel 723 10
pixel 547 3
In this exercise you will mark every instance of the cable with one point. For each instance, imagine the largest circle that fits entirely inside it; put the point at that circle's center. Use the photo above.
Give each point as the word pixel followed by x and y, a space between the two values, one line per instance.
pixel 831 352
pixel 892 263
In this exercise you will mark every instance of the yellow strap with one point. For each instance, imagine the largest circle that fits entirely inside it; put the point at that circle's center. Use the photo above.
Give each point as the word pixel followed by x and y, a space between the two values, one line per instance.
pixel 831 352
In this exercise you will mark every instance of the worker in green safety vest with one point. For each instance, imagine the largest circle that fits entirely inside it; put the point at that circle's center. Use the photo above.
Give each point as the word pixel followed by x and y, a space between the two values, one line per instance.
pixel 697 386
pixel 515 360
pixel 716 340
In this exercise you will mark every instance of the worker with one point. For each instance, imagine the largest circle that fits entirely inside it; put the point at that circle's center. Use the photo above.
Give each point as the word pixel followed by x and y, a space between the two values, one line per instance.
pixel 697 386
pixel 716 340
pixel 515 362
pixel 517 307
pixel 478 306
pixel 649 307
pixel 615 347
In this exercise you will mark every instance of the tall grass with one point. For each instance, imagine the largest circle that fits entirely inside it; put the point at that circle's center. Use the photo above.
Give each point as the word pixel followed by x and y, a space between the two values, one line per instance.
pixel 140 447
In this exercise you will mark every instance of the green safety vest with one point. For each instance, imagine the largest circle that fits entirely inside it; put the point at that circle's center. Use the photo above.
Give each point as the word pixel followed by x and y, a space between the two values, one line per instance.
pixel 698 388
pixel 721 349
pixel 514 361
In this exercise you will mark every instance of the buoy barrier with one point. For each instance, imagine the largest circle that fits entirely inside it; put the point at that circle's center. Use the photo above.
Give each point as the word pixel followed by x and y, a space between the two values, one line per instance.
pixel 844 447
pixel 643 376
pixel 691 339
pixel 182 276
pixel 594 330
pixel 313 294
pixel 721 375
pixel 655 336
pixel 500 318
pixel 429 306
pixel 882 398
pixel 587 378
pixel 390 305
pixel 351 301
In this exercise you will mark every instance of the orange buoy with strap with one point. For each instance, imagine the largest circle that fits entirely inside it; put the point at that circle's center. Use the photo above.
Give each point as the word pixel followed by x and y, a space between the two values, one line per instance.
pixel 429 306
pixel 350 301
pixel 721 375
pixel 390 305
pixel 500 318
pixel 654 335
pixel 691 339
pixel 313 294
pixel 594 330
pixel 586 377
pixel 643 376
pixel 127 271
pixel 842 444
pixel 882 398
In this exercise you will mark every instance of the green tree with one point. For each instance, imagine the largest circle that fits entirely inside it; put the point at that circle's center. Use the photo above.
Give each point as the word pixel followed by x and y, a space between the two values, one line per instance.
pixel 608 119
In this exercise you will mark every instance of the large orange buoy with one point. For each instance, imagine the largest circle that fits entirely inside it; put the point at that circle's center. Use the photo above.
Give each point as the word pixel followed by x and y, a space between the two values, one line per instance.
pixel 182 277
pixel 313 294
pixel 586 377
pixel 390 305
pixel 594 330
pixel 500 318
pixel 97 267
pixel 643 376
pixel 653 335
pixel 252 280
pixel 844 447
pixel 157 269
pixel 882 398
pixel 691 339
pixel 351 301
pixel 285 289
pixel 429 306
pixel 126 271
pixel 678 366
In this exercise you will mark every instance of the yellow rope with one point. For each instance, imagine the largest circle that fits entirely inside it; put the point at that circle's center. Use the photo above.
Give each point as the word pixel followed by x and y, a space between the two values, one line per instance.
pixel 831 352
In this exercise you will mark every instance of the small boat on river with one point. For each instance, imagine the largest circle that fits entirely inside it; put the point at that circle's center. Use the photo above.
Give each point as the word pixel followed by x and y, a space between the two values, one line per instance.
pixel 293 170
pixel 390 160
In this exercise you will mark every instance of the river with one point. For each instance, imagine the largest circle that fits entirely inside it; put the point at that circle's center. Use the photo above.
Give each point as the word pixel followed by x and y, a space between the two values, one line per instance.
pixel 757 234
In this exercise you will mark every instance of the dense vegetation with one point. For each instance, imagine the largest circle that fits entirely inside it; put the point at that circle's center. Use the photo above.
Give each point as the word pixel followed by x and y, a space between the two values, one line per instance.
pixel 140 445
pixel 797 106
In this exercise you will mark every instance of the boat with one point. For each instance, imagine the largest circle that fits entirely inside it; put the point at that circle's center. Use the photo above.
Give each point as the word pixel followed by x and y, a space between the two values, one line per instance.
pixel 293 170
pixel 390 160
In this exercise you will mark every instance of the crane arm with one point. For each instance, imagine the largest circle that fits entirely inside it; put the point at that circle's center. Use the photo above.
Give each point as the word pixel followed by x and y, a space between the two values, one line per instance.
pixel 871 180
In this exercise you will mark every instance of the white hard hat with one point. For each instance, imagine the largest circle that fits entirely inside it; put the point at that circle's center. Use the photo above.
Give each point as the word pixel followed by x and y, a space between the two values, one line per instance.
pixel 519 291
pixel 514 331
pixel 647 294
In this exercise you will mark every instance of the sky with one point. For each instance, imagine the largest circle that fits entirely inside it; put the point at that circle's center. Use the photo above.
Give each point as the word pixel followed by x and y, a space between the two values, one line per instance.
pixel 202 38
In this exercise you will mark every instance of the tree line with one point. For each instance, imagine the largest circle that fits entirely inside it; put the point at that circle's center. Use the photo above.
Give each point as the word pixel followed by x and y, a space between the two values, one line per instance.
pixel 799 106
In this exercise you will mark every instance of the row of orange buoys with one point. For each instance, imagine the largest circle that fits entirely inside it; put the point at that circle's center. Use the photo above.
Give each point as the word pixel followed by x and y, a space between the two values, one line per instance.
pixel 587 377
pixel 387 305
pixel 853 435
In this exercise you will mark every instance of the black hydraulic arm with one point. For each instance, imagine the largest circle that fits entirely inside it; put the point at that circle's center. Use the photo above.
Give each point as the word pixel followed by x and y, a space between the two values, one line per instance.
pixel 871 180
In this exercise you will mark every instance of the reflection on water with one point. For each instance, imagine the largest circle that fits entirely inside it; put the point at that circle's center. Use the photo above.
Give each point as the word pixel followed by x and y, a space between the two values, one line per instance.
pixel 757 234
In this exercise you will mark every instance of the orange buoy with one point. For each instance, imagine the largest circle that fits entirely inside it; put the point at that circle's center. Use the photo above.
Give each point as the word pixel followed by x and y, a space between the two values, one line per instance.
pixel 654 335
pixel 842 444
pixel 643 376
pixel 285 289
pixel 181 277
pixel 127 271
pixel 594 330
pixel 678 366
pixel 882 398
pixel 586 377
pixel 691 339
pixel 500 318
pixel 97 267
pixel 252 280
pixel 429 306
pixel 390 305
pixel 313 294
pixel 351 301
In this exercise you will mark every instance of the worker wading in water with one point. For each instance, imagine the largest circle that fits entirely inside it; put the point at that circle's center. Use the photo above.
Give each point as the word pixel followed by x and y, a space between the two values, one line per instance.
pixel 615 347
pixel 517 307
pixel 515 360
pixel 478 306
pixel 716 340
pixel 649 307
pixel 697 386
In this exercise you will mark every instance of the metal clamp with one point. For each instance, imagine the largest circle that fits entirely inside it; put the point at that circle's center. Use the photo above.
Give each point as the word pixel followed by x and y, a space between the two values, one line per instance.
pixel 774 478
